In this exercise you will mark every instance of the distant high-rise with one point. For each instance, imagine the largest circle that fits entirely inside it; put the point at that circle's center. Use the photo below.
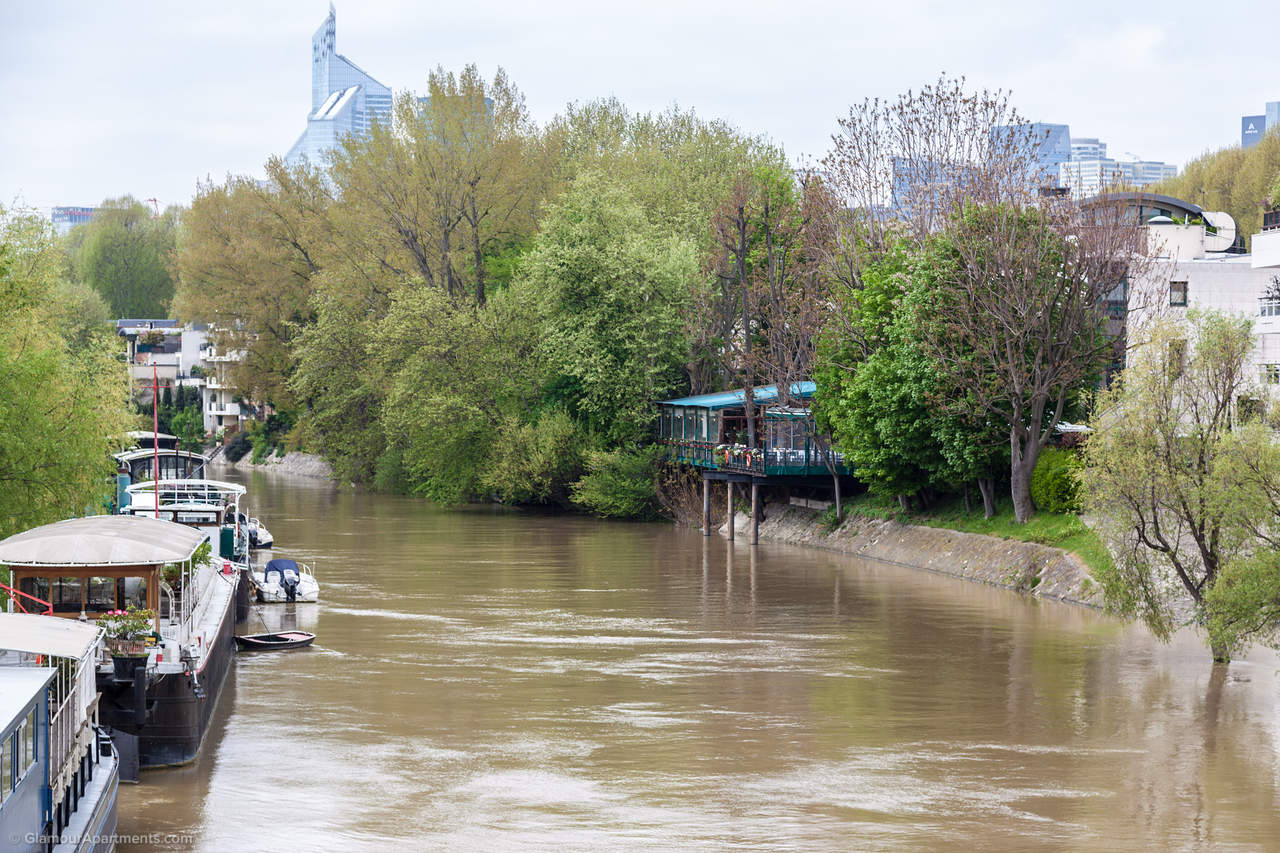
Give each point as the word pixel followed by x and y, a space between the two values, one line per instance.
pixel 344 99
pixel 66 218
pixel 1253 127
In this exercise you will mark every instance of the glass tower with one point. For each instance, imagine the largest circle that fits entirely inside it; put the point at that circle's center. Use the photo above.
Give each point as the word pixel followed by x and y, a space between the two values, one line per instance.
pixel 344 99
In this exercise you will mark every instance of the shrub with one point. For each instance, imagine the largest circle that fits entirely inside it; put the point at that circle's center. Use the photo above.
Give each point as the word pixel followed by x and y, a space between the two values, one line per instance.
pixel 238 447
pixel 1055 484
pixel 535 463
pixel 620 483
pixel 389 473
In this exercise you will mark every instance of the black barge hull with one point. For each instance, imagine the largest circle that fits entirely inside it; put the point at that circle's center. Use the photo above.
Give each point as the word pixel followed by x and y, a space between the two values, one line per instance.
pixel 170 719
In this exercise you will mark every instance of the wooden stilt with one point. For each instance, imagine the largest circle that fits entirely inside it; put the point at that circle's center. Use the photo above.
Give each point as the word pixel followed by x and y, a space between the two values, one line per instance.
pixel 729 507
pixel 755 513
pixel 706 507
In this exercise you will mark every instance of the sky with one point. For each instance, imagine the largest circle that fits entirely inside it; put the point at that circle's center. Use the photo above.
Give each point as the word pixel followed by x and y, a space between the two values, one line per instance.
pixel 151 97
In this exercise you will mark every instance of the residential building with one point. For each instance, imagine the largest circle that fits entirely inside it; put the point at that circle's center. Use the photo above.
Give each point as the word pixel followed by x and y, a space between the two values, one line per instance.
pixel 1195 269
pixel 344 98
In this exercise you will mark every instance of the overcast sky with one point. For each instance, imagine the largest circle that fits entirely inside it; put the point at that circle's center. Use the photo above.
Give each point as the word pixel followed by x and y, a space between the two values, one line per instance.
pixel 107 97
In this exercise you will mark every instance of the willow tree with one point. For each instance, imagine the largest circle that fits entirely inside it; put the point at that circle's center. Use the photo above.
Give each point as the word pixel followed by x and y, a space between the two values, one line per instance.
pixel 1184 497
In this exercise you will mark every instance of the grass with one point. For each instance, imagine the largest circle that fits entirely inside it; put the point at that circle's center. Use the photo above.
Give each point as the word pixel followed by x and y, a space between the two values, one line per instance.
pixel 1059 530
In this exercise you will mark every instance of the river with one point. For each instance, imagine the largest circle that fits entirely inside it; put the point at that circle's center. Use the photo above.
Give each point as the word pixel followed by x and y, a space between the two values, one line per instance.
pixel 490 680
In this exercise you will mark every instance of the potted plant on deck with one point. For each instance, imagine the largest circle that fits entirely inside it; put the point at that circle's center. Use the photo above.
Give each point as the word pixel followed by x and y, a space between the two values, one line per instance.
pixel 126 636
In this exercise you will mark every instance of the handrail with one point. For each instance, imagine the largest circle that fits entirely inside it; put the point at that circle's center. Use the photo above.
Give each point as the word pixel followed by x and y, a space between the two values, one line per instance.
pixel 14 593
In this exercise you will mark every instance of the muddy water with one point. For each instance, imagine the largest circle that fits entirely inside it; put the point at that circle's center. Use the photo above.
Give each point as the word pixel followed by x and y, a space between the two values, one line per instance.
pixel 491 681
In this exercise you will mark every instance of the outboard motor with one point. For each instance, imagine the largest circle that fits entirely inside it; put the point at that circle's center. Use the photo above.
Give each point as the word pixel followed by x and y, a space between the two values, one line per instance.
pixel 290 584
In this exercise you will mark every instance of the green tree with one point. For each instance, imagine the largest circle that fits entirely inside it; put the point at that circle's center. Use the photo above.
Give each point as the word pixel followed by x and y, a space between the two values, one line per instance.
pixel 1179 495
pixel 63 392
pixel 124 254
pixel 610 288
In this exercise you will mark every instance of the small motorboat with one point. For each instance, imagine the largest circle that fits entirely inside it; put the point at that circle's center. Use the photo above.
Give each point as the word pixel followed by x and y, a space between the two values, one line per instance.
pixel 281 640
pixel 285 580
pixel 259 534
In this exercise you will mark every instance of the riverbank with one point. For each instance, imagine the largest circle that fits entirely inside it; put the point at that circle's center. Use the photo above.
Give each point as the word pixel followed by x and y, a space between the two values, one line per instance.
pixel 1038 570
pixel 296 463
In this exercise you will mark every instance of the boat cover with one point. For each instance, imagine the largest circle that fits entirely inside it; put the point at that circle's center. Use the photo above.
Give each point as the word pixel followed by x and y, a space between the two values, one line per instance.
pixel 47 635
pixel 101 540
pixel 281 565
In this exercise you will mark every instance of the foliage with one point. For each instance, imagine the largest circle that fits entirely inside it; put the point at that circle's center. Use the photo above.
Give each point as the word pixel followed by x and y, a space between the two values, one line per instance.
pixel 610 287
pixel 1055 484
pixel 188 425
pixel 125 630
pixel 1180 495
pixel 534 462
pixel 123 254
pixel 1239 181
pixel 238 447
pixel 620 483
pixel 63 392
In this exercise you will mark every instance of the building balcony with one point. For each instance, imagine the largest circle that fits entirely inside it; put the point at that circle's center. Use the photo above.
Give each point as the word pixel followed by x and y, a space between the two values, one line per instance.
pixel 224 409
pixel 1266 249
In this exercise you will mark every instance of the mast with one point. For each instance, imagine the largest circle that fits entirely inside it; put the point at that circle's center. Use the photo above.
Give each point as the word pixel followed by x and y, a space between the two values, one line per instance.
pixel 155 433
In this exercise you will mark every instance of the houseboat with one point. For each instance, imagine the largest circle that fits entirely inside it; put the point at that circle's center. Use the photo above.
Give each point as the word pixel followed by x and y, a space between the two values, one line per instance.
pixel 60 771
pixel 86 568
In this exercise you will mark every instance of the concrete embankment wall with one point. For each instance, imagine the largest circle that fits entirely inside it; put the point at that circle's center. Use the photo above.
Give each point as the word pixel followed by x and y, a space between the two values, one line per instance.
pixel 1037 570
pixel 296 463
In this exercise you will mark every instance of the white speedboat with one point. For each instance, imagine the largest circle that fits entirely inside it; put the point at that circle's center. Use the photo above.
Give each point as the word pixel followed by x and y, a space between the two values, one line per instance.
pixel 285 580
pixel 259 535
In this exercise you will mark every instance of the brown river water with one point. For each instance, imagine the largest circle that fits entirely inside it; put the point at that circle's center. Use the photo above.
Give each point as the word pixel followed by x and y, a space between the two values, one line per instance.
pixel 488 680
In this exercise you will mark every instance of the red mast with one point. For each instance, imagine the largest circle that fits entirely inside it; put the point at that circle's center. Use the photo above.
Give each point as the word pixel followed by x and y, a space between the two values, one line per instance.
pixel 155 435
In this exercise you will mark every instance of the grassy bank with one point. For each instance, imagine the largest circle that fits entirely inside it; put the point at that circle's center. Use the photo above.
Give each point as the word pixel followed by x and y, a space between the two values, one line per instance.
pixel 1058 530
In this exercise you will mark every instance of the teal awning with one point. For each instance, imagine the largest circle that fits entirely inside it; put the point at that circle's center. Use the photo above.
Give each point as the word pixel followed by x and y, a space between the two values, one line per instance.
pixel 763 394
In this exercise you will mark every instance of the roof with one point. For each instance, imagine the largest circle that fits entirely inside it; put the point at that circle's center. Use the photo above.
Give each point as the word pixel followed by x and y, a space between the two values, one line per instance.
pixel 18 686
pixel 148 452
pixel 1140 197
pixel 47 635
pixel 101 540
pixel 734 399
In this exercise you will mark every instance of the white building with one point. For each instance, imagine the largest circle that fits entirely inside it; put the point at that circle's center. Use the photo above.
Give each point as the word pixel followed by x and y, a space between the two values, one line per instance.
pixel 1194 270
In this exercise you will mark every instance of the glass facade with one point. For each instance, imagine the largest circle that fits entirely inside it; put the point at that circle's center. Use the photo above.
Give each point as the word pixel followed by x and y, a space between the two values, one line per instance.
pixel 344 99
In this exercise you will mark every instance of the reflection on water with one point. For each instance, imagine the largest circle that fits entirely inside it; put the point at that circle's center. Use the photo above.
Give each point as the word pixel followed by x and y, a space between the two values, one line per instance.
pixel 486 680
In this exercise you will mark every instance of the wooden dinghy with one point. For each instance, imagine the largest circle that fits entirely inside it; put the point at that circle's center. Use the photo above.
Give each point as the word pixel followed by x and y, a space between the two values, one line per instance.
pixel 281 640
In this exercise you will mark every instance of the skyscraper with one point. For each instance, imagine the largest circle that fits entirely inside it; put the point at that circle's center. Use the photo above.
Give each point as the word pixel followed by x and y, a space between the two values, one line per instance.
pixel 344 99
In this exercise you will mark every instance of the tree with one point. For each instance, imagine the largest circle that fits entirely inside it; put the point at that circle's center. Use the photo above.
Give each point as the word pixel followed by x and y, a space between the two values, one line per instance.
pixel 124 255
pixel 63 393
pixel 1183 499
pixel 1017 280
pixel 246 264
pixel 451 181
pixel 610 289
pixel 1015 315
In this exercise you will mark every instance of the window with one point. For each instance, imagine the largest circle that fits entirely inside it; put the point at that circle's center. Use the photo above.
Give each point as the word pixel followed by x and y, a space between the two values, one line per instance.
pixel 66 595
pixel 39 587
pixel 1269 308
pixel 1270 374
pixel 1178 294
pixel 132 592
pixel 6 773
pixel 102 594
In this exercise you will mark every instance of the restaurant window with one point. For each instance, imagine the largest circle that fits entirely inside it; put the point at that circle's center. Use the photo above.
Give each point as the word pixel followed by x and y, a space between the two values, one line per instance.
pixel 1178 294
pixel 102 594
pixel 131 592
pixel 66 595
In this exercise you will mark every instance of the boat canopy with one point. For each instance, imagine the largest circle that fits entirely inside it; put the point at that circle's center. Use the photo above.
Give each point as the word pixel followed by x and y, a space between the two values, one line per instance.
pixel 190 491
pixel 101 540
pixel 734 399
pixel 148 453
pixel 46 635
pixel 281 564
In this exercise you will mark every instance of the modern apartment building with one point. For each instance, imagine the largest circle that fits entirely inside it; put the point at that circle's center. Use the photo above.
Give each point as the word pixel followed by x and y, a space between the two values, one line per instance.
pixel 1091 171
pixel 344 99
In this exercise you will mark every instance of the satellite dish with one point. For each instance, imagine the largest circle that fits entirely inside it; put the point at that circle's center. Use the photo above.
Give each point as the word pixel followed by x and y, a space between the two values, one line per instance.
pixel 1226 236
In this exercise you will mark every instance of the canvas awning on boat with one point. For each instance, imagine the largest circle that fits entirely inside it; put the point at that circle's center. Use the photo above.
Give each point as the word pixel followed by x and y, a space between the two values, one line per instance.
pixel 101 540
pixel 47 635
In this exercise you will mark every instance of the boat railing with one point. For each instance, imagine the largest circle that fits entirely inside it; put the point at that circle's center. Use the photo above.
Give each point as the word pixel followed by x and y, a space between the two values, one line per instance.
pixel 16 596
pixel 71 725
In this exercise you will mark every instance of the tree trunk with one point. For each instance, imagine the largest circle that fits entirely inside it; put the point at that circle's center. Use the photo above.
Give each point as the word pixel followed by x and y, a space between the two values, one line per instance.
pixel 1221 654
pixel 987 487
pixel 904 503
pixel 835 479
pixel 1022 464
pixel 968 505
